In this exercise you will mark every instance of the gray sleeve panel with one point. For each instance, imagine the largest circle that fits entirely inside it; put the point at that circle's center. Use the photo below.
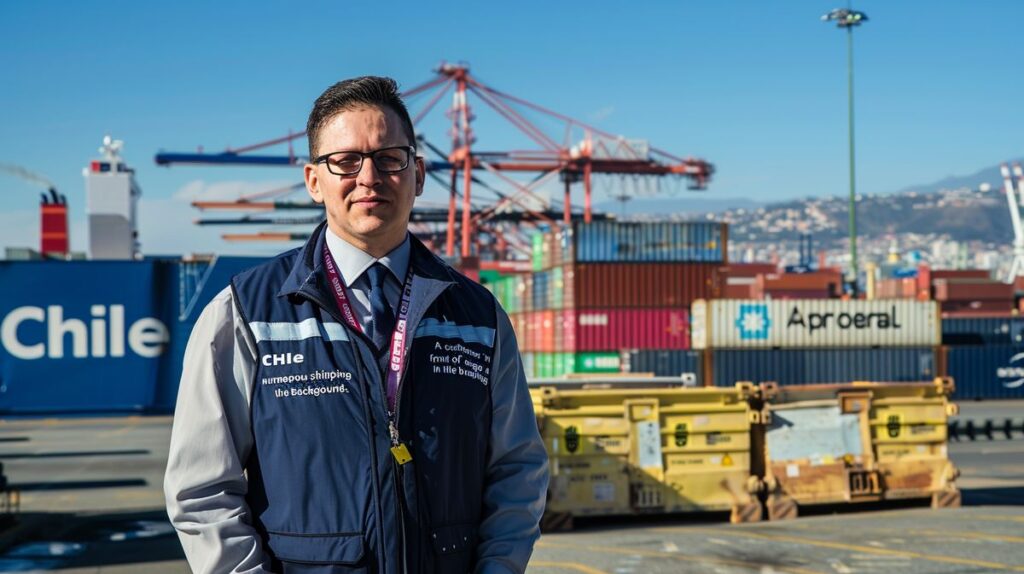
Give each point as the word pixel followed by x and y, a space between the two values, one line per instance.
pixel 205 484
pixel 517 473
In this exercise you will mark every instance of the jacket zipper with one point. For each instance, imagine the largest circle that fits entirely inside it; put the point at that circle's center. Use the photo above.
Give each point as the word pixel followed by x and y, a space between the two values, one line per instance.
pixel 398 410
pixel 373 442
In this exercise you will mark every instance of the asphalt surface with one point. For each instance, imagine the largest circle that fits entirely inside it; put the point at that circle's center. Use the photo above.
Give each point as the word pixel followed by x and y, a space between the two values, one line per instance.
pixel 92 503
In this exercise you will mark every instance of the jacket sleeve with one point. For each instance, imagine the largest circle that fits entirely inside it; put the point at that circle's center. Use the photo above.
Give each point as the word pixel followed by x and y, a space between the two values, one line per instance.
pixel 517 471
pixel 205 484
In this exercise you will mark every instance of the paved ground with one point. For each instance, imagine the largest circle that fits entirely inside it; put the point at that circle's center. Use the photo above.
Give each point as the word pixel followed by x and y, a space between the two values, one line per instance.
pixel 92 504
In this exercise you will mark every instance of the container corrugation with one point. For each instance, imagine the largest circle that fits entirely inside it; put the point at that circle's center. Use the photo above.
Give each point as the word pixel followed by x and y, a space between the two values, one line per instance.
pixel 983 330
pixel 621 285
pixel 972 290
pixel 541 291
pixel 615 329
pixel 612 241
pixel 686 365
pixel 987 372
pixel 565 330
pixel 809 366
pixel 746 324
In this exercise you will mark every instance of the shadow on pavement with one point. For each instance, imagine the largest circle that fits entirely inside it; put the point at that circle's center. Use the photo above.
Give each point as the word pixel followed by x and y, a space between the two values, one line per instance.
pixel 92 540
pixel 79 484
pixel 75 453
pixel 997 496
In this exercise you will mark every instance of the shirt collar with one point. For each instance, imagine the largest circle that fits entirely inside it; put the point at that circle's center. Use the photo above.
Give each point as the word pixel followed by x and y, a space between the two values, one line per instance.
pixel 352 261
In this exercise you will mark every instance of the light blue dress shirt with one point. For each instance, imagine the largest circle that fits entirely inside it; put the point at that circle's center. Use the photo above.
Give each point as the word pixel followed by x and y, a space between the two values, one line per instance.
pixel 353 263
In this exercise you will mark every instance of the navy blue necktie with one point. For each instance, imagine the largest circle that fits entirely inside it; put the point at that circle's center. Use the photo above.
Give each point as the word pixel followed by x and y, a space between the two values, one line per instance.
pixel 383 315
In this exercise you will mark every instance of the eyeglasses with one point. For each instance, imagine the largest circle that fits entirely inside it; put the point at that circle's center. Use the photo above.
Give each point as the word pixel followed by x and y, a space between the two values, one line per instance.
pixel 386 160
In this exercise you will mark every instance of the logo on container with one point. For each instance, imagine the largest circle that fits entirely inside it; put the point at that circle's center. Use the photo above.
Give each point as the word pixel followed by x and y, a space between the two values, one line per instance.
pixel 753 322
pixel 104 335
pixel 1016 373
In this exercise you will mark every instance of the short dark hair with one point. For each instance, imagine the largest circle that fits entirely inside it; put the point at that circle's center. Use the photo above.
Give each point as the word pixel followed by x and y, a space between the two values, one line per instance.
pixel 351 94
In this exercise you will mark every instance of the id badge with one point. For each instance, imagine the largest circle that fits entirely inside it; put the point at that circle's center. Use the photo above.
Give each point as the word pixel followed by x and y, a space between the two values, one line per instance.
pixel 401 453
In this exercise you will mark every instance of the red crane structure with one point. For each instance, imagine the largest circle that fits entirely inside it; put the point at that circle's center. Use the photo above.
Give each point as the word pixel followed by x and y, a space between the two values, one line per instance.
pixel 599 152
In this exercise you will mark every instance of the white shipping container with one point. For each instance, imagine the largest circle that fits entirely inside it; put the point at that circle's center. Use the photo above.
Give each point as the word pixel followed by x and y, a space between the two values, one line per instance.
pixel 802 323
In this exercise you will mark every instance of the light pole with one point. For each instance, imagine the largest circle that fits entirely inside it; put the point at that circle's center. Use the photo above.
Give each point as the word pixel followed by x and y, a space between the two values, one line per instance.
pixel 849 19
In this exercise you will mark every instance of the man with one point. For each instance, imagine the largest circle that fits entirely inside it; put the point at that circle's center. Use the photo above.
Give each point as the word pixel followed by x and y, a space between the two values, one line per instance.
pixel 355 405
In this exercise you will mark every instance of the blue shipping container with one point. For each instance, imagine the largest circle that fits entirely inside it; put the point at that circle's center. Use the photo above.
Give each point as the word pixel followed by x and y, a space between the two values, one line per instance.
pixel 808 366
pixel 983 331
pixel 100 336
pixel 987 372
pixel 668 363
pixel 539 295
pixel 647 242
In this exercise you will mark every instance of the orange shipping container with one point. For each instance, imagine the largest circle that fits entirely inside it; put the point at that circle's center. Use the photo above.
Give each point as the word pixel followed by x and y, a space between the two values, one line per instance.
pixel 546 339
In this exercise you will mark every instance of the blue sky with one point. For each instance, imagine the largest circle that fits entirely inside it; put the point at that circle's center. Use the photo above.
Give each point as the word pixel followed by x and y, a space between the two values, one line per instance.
pixel 758 88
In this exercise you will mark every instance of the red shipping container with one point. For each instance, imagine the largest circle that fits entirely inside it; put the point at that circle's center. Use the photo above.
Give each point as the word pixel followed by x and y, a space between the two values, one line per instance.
pixel 746 270
pixel 567 323
pixel 972 290
pixel 533 322
pixel 647 285
pixel 520 327
pixel 960 274
pixel 617 329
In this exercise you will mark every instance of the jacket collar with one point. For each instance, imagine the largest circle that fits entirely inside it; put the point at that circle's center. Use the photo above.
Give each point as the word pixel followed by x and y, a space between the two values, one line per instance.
pixel 307 273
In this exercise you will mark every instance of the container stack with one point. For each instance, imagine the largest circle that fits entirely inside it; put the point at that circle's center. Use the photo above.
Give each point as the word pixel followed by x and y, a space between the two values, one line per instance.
pixel 601 290
pixel 824 284
pixel 982 332
pixel 985 356
pixel 803 341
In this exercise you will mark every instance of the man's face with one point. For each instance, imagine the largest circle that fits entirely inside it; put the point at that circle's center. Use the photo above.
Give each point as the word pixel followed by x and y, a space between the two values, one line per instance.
pixel 369 209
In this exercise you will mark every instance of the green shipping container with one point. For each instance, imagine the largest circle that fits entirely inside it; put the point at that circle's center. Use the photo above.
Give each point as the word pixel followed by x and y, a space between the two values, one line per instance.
pixel 489 276
pixel 538 252
pixel 597 363
pixel 544 365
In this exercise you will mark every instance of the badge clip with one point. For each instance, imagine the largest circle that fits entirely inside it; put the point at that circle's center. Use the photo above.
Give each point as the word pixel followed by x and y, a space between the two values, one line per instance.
pixel 401 453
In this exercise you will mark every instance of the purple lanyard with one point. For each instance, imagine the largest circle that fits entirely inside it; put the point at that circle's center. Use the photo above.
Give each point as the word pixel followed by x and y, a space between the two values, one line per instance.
pixel 396 362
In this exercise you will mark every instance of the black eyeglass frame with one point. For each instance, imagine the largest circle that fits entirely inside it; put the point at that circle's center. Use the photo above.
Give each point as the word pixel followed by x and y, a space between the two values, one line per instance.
pixel 409 156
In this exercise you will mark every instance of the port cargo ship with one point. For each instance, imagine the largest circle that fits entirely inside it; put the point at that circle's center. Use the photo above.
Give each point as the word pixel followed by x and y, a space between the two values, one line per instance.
pixel 107 334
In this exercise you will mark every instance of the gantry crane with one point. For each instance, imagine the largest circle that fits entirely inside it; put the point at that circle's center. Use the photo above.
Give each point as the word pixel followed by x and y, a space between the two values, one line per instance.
pixel 574 159
pixel 1013 199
